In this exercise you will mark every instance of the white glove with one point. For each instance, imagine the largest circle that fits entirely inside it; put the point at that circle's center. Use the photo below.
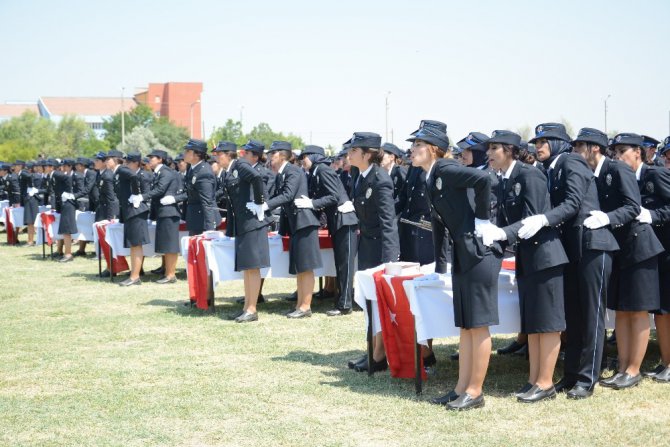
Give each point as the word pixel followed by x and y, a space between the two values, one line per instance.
pixel 531 225
pixel 67 196
pixel 490 234
pixel 644 217
pixel 346 207
pixel 32 191
pixel 481 225
pixel 597 219
pixel 304 202
pixel 168 200
pixel 136 200
pixel 258 210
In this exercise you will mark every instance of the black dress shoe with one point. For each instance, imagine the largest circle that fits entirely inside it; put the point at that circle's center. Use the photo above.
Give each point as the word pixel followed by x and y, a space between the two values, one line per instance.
pixel 537 394
pixel 292 297
pixel 444 400
pixel 653 372
pixel 466 402
pixel 511 348
pixel 564 385
pixel 522 351
pixel 130 282
pixel 608 383
pixel 626 381
pixel 580 392
pixel 377 366
pixel 158 271
pixel 247 317
pixel 237 314
pixel 338 312
pixel 79 253
pixel 429 360
pixel 166 280
pixel 663 376
pixel 300 314
pixel 261 299
pixel 352 363
pixel 324 294
pixel 455 356
pixel 105 274
pixel 66 259
pixel 524 389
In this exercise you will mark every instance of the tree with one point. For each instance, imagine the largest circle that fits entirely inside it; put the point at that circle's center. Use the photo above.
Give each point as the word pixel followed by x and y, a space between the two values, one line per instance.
pixel 525 132
pixel 72 135
pixel 141 140
pixel 262 132
pixel 31 130
pixel 142 115
pixel 169 135
pixel 231 131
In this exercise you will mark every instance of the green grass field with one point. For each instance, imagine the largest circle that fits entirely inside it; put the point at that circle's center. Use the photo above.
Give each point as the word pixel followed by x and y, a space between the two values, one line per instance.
pixel 86 362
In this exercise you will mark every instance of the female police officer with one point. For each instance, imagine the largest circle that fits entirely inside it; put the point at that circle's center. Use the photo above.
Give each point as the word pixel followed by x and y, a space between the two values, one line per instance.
pixel 475 267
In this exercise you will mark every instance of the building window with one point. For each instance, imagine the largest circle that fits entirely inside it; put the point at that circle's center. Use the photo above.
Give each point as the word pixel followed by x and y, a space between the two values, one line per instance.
pixel 96 126
pixel 157 99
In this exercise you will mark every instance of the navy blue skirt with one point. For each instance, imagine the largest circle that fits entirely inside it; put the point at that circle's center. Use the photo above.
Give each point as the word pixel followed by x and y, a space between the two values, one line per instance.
pixel 136 231
pixel 252 250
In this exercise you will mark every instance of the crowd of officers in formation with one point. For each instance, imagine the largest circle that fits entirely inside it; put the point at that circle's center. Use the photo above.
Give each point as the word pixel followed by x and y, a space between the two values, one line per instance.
pixel 586 219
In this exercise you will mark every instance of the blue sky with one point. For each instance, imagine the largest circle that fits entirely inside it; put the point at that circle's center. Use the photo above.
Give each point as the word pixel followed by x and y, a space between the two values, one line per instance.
pixel 322 69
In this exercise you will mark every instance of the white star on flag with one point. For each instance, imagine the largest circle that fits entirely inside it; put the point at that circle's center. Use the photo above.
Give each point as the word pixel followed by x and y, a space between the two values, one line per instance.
pixel 393 320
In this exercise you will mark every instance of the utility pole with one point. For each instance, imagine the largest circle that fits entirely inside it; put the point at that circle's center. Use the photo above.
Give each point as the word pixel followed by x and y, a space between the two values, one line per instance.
pixel 386 131
pixel 123 118
pixel 608 97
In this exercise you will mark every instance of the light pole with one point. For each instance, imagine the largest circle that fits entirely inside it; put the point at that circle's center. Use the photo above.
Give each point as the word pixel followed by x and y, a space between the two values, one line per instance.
pixel 386 120
pixel 193 104
pixel 123 119
pixel 608 97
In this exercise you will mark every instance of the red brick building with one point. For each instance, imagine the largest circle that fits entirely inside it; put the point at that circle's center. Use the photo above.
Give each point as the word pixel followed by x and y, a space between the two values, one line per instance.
pixel 178 101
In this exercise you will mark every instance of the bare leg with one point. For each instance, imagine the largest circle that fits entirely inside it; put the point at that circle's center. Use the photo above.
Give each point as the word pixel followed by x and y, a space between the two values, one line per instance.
pixel 252 286
pixel 59 247
pixel 550 345
pixel 31 233
pixel 623 338
pixel 67 244
pixel 82 247
pixel 663 336
pixel 639 333
pixel 170 264
pixel 379 351
pixel 136 258
pixel 533 358
pixel 305 282
pixel 464 361
pixel 480 354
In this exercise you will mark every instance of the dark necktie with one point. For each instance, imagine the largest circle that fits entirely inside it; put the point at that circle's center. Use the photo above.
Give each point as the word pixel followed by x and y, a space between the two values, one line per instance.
pixel 550 173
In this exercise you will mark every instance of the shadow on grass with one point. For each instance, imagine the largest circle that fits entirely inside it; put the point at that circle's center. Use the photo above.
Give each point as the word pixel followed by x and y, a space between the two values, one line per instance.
pixel 505 376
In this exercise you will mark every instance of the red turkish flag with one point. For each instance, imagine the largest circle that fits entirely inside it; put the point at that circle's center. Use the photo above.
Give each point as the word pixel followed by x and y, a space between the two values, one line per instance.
pixel 119 263
pixel 196 271
pixel 9 226
pixel 47 219
pixel 397 326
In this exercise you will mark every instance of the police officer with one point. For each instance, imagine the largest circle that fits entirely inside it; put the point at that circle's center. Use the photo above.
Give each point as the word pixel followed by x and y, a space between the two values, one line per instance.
pixel 28 200
pixel 108 204
pixel 164 183
pixel 654 184
pixel 372 197
pixel 200 186
pixel 391 162
pixel 634 286
pixel 134 215
pixel 4 182
pixel 473 149
pixel 66 206
pixel 650 155
pixel 539 260
pixel 327 195
pixel 475 266
pixel 221 198
pixel 248 227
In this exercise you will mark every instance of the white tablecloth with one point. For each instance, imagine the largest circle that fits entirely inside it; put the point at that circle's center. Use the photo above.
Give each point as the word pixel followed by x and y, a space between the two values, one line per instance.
pixel 431 303
pixel 17 215
pixel 3 204
pixel 85 221
pixel 220 255
pixel 114 237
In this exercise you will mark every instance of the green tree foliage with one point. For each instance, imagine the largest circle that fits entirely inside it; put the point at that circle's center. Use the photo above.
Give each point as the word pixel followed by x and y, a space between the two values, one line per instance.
pixel 262 132
pixel 170 136
pixel 231 131
pixel 142 115
pixel 141 140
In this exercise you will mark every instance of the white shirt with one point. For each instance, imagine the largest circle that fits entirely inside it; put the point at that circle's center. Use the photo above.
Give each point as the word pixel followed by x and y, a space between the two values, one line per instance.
pixel 509 170
pixel 158 168
pixel 193 166
pixel 553 163
pixel 599 166
pixel 430 170
pixel 281 169
pixel 230 166
pixel 366 172
pixel 638 172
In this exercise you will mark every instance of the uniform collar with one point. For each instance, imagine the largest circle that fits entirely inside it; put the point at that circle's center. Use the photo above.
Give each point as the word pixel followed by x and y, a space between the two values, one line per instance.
pixel 281 169
pixel 601 162
pixel 158 168
pixel 553 163
pixel 367 171
pixel 230 166
pixel 508 173
pixel 432 165
pixel 638 173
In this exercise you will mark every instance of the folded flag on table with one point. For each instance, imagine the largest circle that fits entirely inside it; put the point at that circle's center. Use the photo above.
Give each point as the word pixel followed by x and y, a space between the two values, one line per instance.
pixel 48 219
pixel 397 325
pixel 117 264
pixel 196 271
pixel 9 226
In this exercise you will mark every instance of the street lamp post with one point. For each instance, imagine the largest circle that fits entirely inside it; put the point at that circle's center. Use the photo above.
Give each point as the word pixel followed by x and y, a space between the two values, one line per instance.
pixel 608 97
pixel 123 118
pixel 193 104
